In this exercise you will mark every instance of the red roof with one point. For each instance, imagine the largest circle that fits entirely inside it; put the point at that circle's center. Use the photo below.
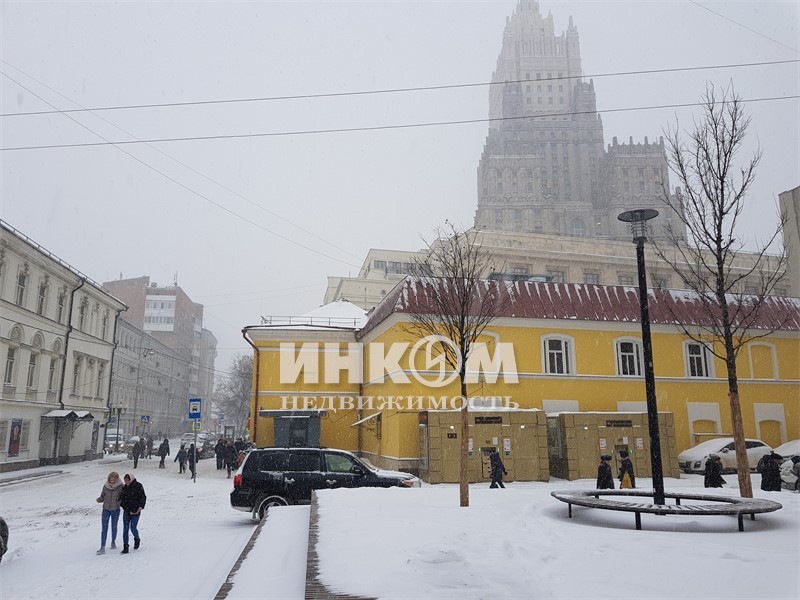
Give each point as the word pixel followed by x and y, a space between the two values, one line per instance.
pixel 581 302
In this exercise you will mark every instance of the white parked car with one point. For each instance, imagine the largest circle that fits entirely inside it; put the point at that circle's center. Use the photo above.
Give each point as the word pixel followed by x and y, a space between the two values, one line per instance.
pixel 693 460
pixel 789 449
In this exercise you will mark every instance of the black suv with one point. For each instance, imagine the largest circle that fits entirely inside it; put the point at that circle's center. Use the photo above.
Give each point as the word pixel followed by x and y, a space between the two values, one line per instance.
pixel 282 476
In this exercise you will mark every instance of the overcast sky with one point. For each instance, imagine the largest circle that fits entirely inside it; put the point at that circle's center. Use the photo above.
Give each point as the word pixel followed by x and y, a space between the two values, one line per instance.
pixel 338 194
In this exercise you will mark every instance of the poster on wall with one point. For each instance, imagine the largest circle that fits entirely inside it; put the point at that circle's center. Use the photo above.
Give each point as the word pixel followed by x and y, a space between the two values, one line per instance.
pixel 14 438
pixel 507 446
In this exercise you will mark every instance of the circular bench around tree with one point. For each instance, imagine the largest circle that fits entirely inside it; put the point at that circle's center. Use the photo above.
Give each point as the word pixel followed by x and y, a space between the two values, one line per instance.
pixel 713 505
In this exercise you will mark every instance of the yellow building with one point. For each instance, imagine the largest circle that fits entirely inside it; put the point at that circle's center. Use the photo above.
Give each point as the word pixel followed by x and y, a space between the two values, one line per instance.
pixel 361 384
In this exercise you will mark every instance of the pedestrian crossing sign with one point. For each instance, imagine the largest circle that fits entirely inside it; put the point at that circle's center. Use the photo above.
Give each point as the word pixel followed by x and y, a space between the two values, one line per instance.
pixel 197 426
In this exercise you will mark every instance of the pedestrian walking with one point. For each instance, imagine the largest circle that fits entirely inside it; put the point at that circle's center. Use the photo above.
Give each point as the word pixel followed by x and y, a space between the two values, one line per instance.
pixel 192 459
pixel 180 458
pixel 796 472
pixel 239 444
pixel 231 458
pixel 163 452
pixel 771 474
pixel 149 446
pixel 627 480
pixel 713 474
pixel 136 451
pixel 109 497
pixel 219 453
pixel 605 477
pixel 132 500
pixel 497 469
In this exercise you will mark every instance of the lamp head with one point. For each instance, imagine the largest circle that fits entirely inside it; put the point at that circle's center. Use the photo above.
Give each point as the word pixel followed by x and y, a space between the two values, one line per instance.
pixel 638 219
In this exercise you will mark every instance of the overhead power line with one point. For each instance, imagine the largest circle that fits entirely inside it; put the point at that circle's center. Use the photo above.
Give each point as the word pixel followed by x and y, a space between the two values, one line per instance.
pixel 391 90
pixel 183 164
pixel 373 128
pixel 745 26
pixel 184 186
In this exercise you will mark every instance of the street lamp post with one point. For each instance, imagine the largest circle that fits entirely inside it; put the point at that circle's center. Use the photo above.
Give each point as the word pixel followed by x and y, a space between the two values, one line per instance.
pixel 142 354
pixel 638 220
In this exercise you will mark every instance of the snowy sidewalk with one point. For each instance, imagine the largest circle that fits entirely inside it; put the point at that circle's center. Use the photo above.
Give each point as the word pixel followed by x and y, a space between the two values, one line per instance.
pixel 274 567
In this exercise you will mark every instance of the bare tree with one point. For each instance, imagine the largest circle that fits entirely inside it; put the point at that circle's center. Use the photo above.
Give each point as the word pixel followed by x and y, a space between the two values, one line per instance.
pixel 232 394
pixel 715 186
pixel 458 305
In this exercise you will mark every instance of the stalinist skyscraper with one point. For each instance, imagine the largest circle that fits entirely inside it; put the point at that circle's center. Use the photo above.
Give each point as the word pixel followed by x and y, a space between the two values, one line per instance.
pixel 544 168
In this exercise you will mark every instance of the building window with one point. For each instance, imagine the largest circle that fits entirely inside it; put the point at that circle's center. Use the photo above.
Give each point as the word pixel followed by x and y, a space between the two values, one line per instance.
pixel 32 370
pixel 591 278
pixel 101 374
pixel 82 313
pixel 555 276
pixel 41 303
pixel 626 280
pixel 11 361
pixel 22 283
pixel 24 435
pixel 519 270
pixel 53 374
pixel 629 358
pixel 577 228
pixel 395 267
pixel 698 360
pixel 76 373
pixel 60 307
pixel 104 326
pixel 660 283
pixel 557 356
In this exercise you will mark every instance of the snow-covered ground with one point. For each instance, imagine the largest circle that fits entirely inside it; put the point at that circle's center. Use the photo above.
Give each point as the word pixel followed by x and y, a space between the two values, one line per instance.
pixel 396 543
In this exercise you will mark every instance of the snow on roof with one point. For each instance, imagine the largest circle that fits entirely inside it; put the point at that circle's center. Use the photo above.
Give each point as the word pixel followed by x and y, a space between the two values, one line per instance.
pixel 540 300
pixel 340 314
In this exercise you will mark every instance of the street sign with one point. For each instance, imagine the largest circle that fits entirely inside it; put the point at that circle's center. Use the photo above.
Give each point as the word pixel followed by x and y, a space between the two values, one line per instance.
pixel 145 419
pixel 197 426
pixel 194 408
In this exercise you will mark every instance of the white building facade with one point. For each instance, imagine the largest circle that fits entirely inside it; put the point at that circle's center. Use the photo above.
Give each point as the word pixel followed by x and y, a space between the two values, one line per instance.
pixel 57 331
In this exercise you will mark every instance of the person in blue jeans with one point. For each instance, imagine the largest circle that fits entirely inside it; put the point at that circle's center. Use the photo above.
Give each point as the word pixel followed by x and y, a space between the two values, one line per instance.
pixel 132 500
pixel 109 496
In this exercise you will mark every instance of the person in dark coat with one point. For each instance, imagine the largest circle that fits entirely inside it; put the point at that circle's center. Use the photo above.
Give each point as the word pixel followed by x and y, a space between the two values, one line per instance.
pixel 771 475
pixel 149 446
pixel 132 500
pixel 219 453
pixel 180 458
pixel 239 445
pixel 498 469
pixel 625 466
pixel 713 474
pixel 231 458
pixel 136 451
pixel 191 457
pixel 605 477
pixel 163 452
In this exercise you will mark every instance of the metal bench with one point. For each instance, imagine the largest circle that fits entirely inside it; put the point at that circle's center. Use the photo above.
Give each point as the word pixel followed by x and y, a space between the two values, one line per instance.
pixel 720 505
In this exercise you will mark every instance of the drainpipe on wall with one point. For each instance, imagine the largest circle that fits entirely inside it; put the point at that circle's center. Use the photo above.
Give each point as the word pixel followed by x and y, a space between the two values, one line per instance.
pixel 64 368
pixel 359 416
pixel 111 377
pixel 254 414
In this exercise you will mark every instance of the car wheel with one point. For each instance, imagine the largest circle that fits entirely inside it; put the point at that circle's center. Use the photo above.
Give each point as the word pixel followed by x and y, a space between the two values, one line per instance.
pixel 269 502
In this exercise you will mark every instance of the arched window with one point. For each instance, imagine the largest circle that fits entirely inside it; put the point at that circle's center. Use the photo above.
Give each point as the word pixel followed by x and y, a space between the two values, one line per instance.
pixel 577 228
pixel 558 355
pixel 629 357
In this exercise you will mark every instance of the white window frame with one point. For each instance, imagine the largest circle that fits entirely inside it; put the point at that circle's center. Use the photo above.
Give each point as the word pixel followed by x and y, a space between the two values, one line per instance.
pixel 10 365
pixel 638 352
pixel 568 354
pixel 21 288
pixel 706 354
pixel 33 371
